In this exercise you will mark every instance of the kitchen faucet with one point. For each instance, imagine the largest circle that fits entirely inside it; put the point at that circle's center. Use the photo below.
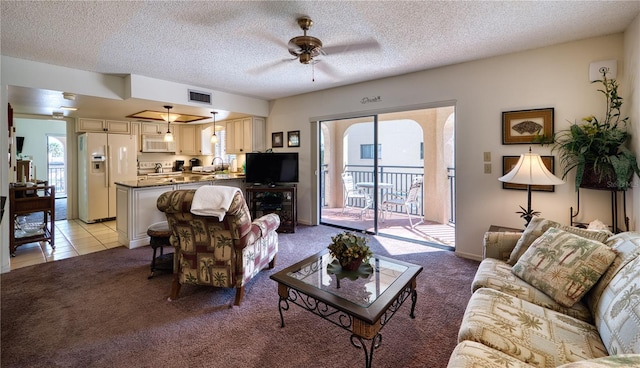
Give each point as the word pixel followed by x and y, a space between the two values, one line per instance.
pixel 158 167
pixel 213 162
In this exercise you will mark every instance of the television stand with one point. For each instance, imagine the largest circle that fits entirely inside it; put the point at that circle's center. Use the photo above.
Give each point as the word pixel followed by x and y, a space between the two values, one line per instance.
pixel 278 199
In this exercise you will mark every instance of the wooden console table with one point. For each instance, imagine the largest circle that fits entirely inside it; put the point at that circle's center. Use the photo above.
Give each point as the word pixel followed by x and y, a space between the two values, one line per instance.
pixel 25 200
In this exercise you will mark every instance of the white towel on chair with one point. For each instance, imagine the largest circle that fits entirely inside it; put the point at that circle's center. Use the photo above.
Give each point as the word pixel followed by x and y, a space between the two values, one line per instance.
pixel 213 200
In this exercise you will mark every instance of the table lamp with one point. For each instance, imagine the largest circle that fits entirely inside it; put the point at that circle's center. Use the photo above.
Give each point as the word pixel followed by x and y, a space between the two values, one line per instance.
pixel 530 170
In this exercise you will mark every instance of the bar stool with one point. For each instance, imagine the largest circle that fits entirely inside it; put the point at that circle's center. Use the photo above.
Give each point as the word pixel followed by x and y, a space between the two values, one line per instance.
pixel 159 234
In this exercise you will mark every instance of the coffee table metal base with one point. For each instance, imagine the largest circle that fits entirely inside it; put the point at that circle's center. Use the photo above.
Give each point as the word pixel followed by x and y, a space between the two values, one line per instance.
pixel 361 331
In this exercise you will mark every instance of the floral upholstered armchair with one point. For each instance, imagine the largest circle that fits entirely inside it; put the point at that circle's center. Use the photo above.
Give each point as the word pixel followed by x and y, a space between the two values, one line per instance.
pixel 211 252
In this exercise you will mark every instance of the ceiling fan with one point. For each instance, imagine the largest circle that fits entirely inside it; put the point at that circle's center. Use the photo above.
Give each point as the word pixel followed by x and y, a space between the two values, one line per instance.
pixel 307 48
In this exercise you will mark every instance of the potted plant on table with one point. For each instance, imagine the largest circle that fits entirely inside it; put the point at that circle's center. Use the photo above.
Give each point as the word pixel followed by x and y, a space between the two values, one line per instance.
pixel 350 250
pixel 597 149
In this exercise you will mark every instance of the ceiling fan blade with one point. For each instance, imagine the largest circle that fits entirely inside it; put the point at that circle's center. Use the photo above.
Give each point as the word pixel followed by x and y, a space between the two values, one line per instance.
pixel 269 66
pixel 274 40
pixel 351 47
pixel 327 69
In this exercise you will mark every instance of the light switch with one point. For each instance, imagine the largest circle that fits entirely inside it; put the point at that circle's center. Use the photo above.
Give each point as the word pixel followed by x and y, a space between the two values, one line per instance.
pixel 487 156
pixel 487 168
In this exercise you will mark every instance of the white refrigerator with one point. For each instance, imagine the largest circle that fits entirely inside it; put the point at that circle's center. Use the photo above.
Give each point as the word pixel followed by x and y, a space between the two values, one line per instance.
pixel 103 159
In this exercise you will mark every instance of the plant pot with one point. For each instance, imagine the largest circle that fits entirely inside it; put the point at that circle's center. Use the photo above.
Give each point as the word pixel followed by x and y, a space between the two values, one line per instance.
pixel 351 266
pixel 603 179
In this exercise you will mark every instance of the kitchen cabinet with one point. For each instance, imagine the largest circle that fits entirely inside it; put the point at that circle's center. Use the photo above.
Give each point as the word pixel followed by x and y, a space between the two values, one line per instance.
pixel 245 135
pixel 196 139
pixel 147 127
pixel 136 211
pixel 98 125
pixel 136 207
pixel 189 140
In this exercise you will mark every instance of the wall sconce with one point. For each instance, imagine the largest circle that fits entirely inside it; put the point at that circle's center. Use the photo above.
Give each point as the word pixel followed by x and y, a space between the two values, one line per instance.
pixel 214 137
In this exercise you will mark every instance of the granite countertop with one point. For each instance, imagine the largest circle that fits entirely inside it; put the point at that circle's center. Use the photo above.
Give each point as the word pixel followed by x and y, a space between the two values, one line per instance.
pixel 155 181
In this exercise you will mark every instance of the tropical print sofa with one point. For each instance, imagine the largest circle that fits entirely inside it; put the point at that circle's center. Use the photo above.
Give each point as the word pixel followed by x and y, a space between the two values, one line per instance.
pixel 208 251
pixel 553 296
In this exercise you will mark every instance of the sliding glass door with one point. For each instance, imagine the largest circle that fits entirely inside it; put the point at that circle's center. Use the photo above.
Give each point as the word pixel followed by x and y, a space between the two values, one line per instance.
pixel 348 169
pixel 390 174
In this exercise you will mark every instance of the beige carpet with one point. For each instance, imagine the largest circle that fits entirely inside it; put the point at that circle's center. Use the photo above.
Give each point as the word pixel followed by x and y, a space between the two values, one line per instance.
pixel 100 310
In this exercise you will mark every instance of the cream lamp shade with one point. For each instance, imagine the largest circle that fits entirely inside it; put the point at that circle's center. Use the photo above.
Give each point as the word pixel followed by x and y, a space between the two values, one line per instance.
pixel 530 170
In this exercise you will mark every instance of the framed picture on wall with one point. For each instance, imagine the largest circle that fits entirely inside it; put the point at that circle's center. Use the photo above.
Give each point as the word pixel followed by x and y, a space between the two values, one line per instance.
pixel 293 138
pixel 509 162
pixel 522 127
pixel 277 140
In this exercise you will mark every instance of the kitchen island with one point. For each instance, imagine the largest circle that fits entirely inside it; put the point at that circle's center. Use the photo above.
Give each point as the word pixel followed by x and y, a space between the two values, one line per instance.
pixel 136 201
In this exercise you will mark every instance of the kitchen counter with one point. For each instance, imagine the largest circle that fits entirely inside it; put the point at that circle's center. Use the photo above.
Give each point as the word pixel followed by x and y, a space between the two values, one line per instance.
pixel 136 201
pixel 171 179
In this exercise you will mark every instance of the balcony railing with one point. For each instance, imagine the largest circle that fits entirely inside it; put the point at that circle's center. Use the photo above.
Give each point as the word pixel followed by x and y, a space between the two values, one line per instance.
pixel 400 176
pixel 56 177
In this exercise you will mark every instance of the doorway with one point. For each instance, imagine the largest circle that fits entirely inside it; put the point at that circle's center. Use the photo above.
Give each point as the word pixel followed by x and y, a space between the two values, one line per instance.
pixel 57 171
pixel 381 156
pixel 44 141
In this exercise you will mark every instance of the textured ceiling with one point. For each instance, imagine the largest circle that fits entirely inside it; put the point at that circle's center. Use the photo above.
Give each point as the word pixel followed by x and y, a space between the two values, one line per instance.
pixel 240 46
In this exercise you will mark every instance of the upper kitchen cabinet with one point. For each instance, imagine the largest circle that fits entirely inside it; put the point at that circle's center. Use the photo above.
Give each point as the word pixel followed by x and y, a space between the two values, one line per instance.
pixel 245 135
pixel 107 126
pixel 189 139
pixel 147 127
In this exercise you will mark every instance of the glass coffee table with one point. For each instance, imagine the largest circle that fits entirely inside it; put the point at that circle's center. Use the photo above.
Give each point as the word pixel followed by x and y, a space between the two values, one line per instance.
pixel 361 301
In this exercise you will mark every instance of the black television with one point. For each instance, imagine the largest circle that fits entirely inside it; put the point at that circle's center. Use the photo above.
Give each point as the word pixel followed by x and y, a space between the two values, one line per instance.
pixel 271 168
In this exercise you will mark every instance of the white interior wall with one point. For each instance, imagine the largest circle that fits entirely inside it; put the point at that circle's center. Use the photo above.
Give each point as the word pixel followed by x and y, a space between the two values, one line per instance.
pixel 35 144
pixel 554 76
pixel 631 80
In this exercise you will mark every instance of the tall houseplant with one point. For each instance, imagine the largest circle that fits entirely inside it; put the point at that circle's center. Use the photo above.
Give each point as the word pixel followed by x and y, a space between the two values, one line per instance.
pixel 597 149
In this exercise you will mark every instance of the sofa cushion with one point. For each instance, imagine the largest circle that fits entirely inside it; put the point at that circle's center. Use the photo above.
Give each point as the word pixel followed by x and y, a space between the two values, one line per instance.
pixel 539 225
pixel 533 334
pixel 564 265
pixel 613 361
pixel 471 354
pixel 497 275
pixel 615 300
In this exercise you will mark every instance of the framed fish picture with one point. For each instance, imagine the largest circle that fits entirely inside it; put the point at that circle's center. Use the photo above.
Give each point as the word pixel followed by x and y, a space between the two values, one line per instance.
pixel 522 127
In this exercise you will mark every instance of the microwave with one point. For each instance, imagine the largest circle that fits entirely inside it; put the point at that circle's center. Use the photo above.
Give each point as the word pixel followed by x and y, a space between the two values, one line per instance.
pixel 156 143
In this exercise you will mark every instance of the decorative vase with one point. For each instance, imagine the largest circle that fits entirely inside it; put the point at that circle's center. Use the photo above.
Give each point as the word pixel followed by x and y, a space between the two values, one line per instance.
pixel 351 266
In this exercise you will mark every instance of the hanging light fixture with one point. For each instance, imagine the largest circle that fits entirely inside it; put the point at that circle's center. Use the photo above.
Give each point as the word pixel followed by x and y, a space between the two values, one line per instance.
pixel 214 137
pixel 168 137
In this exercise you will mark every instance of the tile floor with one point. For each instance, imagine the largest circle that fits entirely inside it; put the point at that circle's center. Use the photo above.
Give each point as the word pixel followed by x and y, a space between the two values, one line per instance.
pixel 72 238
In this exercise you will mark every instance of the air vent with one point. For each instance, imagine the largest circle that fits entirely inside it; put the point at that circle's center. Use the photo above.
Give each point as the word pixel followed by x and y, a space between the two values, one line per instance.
pixel 201 97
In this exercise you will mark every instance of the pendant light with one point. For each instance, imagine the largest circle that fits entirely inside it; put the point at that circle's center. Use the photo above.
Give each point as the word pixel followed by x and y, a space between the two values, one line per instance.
pixel 168 137
pixel 214 137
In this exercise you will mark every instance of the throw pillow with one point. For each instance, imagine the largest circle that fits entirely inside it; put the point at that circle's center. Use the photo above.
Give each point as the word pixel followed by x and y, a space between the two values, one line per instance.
pixel 564 265
pixel 539 225
pixel 597 225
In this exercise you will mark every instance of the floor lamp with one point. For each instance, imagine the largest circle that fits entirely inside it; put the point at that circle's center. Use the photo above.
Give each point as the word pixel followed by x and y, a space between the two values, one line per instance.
pixel 530 170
